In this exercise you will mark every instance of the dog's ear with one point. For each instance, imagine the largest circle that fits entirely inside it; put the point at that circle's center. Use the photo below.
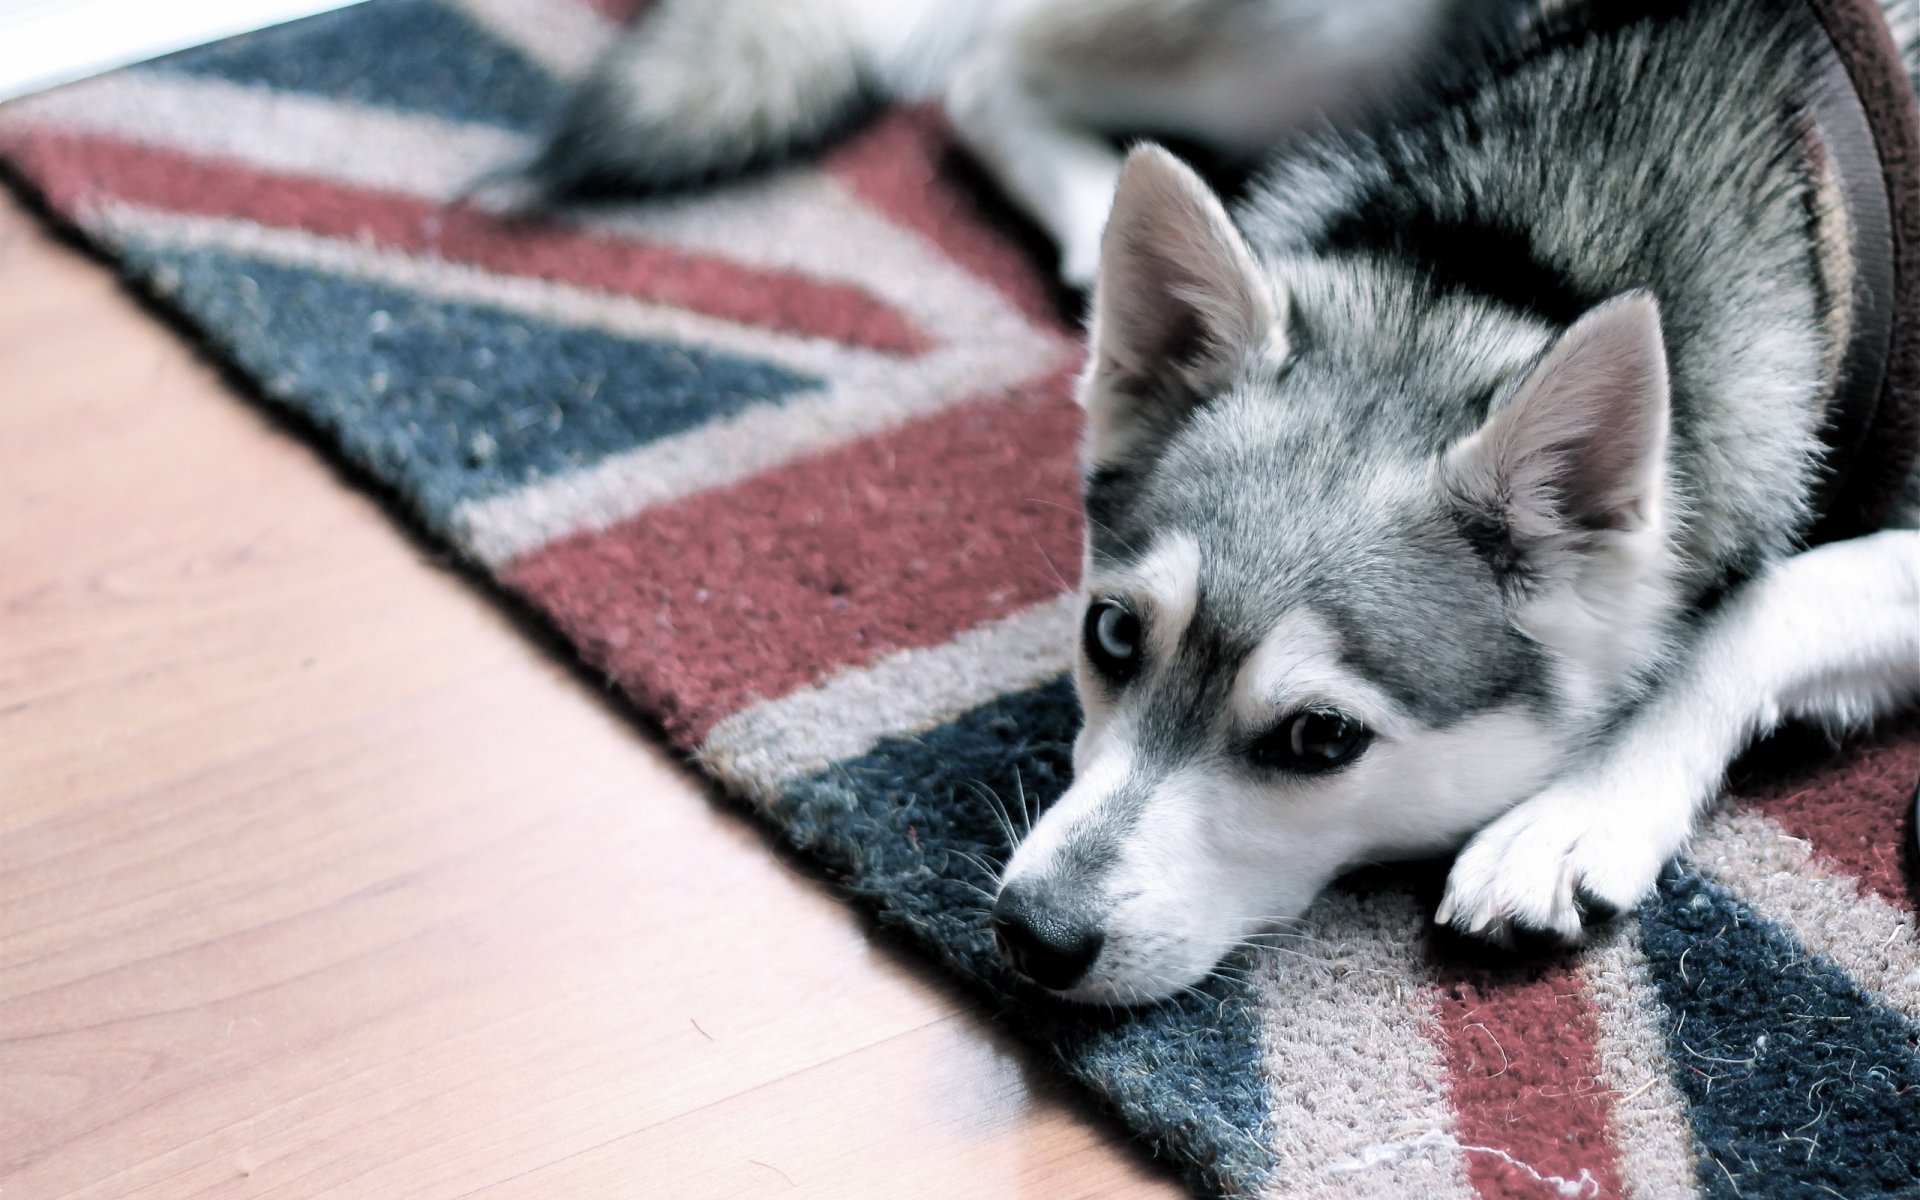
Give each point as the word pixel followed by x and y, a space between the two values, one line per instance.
pixel 1579 446
pixel 1179 305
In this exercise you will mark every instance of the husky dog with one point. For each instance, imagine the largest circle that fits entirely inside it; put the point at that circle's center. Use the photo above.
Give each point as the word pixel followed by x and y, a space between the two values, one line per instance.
pixel 705 87
pixel 1452 492
pixel 1455 489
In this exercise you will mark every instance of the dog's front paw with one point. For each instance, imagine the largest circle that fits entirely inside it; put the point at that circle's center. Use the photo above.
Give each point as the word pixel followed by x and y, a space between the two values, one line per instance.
pixel 1566 858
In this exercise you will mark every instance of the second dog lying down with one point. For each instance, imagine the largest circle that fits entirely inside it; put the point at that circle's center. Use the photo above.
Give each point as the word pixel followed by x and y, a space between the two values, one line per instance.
pixel 1034 87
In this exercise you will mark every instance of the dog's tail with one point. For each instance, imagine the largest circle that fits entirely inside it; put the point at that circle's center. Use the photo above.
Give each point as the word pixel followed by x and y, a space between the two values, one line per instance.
pixel 699 88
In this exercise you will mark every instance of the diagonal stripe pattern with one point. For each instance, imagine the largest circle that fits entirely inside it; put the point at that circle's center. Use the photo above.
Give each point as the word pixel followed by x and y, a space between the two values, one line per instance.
pixel 794 462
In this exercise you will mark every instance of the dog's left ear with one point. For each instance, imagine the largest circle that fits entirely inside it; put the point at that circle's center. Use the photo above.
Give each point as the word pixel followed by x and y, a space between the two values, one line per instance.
pixel 1579 447
pixel 1179 305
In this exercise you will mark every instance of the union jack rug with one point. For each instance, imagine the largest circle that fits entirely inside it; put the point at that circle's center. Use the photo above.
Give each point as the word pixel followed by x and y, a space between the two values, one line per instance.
pixel 793 461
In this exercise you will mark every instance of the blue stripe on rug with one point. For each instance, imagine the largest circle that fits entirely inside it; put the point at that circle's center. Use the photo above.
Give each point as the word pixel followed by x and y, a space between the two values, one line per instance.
pixel 450 401
pixel 412 55
pixel 1799 1085
pixel 911 825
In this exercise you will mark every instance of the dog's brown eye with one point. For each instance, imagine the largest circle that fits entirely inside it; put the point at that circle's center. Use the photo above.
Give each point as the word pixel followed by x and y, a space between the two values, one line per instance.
pixel 1113 639
pixel 1314 740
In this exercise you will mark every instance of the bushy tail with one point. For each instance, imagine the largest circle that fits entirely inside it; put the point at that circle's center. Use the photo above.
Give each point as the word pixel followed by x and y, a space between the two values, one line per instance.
pixel 700 88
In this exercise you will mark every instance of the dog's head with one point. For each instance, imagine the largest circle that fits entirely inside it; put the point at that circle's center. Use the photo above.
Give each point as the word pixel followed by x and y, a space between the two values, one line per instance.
pixel 1361 570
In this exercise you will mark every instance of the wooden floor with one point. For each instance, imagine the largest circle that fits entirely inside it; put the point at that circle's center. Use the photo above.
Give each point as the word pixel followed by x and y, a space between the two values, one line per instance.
pixel 319 878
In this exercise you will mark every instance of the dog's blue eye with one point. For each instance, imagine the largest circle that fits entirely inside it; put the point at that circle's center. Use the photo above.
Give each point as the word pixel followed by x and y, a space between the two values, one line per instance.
pixel 1113 639
pixel 1314 740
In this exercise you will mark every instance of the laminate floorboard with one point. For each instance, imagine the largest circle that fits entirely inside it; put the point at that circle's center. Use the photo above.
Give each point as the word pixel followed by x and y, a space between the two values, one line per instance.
pixel 319 877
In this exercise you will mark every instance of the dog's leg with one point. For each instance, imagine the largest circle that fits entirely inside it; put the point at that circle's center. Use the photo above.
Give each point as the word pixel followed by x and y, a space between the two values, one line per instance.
pixel 1831 635
pixel 1062 175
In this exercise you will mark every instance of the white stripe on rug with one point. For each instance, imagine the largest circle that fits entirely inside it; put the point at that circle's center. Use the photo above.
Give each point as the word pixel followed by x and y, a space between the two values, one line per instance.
pixel 866 392
pixel 408 154
pixel 1875 942
pixel 1650 1128
pixel 911 692
pixel 1359 1095
pixel 547 301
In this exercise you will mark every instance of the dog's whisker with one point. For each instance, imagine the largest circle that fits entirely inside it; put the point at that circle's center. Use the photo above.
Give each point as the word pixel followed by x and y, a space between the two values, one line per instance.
pixel 983 893
pixel 1290 952
pixel 1265 936
pixel 1287 927
pixel 970 886
pixel 1020 791
pixel 998 809
pixel 984 867
pixel 1053 568
pixel 1125 543
pixel 1232 969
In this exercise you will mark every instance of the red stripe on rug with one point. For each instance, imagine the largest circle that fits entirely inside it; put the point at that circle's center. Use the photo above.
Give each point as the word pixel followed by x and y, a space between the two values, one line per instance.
pixel 904 165
pixel 895 541
pixel 1854 805
pixel 77 170
pixel 1532 1105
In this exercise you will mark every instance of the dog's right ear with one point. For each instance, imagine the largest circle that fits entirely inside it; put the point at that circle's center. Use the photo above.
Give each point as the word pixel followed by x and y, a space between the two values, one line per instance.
pixel 1578 448
pixel 1180 304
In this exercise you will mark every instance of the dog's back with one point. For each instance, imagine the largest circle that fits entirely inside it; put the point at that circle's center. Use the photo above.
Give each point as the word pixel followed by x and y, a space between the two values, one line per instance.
pixel 1634 147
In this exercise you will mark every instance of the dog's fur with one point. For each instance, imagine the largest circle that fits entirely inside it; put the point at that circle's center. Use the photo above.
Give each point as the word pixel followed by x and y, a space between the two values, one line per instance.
pixel 705 87
pixel 1496 432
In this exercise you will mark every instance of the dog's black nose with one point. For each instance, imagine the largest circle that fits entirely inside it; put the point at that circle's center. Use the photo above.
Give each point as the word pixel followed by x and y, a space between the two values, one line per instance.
pixel 1047 943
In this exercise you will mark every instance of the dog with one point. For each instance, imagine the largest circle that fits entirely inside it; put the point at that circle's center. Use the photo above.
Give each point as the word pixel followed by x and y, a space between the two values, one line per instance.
pixel 1455 492
pixel 1034 88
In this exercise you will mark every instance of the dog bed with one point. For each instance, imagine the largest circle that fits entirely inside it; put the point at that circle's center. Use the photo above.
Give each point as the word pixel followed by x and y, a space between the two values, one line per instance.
pixel 792 460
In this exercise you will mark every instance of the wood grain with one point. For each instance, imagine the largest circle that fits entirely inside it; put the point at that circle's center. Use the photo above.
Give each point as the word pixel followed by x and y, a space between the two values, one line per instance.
pixel 318 877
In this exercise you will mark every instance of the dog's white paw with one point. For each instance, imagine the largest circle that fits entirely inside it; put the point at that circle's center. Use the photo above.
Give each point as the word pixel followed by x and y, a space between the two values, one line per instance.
pixel 1566 857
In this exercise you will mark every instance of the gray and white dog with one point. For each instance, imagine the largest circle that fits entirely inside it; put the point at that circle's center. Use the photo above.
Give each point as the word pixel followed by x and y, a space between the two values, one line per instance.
pixel 701 88
pixel 1454 490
